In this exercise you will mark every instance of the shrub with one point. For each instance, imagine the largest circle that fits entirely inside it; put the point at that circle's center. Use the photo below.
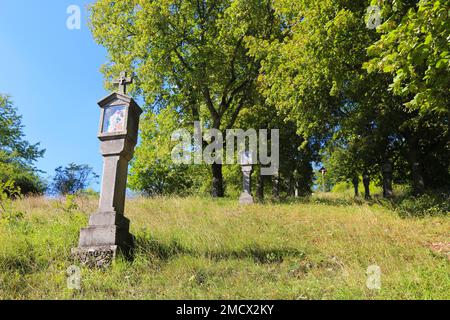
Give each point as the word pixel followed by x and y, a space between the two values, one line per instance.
pixel 9 190
pixel 70 203
pixel 424 205
pixel 72 179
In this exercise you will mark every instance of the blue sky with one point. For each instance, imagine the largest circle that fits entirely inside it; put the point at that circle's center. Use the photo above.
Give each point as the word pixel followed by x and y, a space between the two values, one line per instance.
pixel 53 76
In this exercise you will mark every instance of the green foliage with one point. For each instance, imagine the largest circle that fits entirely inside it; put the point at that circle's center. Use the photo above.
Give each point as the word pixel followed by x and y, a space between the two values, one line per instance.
pixel 23 176
pixel 317 74
pixel 72 179
pixel 343 164
pixel 424 205
pixel 414 54
pixel 17 155
pixel 414 49
pixel 347 188
pixel 313 70
pixel 153 171
pixel 9 191
pixel 357 97
pixel 314 76
pixel 11 135
pixel 341 187
pixel 188 56
pixel 70 203
pixel 405 205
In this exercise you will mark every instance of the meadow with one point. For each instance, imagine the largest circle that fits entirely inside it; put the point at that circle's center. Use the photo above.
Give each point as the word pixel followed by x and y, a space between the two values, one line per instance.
pixel 199 248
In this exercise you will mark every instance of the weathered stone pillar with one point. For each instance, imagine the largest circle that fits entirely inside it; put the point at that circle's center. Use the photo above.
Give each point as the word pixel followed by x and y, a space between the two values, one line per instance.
pixel 246 195
pixel 387 179
pixel 108 229
pixel 296 177
pixel 115 172
pixel 276 186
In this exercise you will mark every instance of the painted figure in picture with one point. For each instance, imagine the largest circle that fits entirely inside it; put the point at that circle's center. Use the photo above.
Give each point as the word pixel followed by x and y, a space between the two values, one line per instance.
pixel 115 120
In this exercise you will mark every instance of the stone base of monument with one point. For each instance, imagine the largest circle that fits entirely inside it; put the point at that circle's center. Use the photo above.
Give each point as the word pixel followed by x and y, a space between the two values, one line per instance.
pixel 95 257
pixel 99 243
pixel 246 198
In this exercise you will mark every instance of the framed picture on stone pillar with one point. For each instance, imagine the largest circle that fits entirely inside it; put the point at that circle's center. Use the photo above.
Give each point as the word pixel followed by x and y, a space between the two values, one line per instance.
pixel 119 117
pixel 114 120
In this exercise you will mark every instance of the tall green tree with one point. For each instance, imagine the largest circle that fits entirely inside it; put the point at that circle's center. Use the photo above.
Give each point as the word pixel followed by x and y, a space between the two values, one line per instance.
pixel 188 54
pixel 17 155
pixel 317 73
pixel 414 48
pixel 314 73
pixel 414 51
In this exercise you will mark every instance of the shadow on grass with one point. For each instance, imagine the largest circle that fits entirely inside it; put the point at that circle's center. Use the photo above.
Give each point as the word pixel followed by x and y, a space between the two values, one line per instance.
pixel 166 250
pixel 257 253
pixel 323 200
pixel 23 262
pixel 21 265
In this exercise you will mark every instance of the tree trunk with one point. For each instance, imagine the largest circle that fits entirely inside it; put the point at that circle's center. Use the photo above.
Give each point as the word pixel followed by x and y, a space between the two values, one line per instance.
pixel 217 181
pixel 355 182
pixel 387 179
pixel 276 186
pixel 366 182
pixel 416 170
pixel 260 188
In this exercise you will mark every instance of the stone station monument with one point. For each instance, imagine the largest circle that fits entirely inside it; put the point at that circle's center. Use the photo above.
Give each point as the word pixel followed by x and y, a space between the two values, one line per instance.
pixel 108 230
pixel 247 168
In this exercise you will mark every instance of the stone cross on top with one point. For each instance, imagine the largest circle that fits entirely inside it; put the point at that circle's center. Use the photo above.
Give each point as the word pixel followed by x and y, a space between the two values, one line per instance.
pixel 123 81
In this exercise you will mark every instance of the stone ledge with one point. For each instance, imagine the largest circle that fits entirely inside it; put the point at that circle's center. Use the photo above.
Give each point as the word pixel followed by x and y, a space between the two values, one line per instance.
pixel 108 219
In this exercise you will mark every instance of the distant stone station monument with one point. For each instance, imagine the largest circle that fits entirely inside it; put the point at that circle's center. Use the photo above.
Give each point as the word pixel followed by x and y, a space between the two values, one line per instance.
pixel 108 230
pixel 247 169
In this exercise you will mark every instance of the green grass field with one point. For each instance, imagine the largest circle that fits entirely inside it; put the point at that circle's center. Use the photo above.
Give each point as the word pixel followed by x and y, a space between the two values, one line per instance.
pixel 198 248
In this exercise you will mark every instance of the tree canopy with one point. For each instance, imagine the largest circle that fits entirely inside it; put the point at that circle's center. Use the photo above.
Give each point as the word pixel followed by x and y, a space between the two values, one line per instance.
pixel 72 179
pixel 360 85
pixel 188 55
